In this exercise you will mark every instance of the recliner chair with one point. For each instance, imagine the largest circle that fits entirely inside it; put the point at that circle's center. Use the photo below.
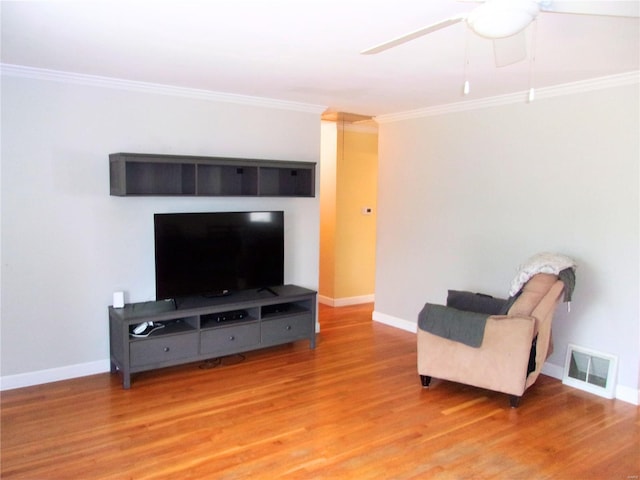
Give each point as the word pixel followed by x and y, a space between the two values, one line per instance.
pixel 504 352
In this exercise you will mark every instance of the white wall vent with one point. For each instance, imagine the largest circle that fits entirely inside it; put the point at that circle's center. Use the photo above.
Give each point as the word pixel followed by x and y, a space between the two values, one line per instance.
pixel 592 371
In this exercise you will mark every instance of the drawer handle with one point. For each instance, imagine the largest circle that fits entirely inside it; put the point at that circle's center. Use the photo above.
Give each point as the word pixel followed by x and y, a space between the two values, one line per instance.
pixel 288 327
pixel 166 349
pixel 232 338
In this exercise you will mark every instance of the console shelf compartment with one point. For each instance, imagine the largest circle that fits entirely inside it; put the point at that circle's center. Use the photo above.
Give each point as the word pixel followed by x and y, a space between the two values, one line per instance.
pixel 224 319
pixel 140 174
pixel 199 328
pixel 170 327
pixel 278 310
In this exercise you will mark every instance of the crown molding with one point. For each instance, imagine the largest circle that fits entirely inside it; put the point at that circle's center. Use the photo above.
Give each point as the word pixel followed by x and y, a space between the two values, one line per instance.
pixel 582 86
pixel 155 88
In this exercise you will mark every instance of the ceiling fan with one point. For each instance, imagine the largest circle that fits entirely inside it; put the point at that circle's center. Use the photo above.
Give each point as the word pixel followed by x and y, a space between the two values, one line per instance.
pixel 507 19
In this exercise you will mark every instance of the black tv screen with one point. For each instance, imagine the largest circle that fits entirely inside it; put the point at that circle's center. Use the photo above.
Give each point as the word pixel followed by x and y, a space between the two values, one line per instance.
pixel 217 253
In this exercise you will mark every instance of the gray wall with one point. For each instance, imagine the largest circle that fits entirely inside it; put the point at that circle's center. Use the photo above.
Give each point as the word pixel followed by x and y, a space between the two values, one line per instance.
pixel 464 198
pixel 67 245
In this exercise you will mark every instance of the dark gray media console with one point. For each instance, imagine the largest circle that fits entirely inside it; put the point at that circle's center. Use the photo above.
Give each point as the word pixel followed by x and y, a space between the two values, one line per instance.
pixel 200 328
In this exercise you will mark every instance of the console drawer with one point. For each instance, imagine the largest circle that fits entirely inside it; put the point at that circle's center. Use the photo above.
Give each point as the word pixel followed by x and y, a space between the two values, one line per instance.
pixel 158 350
pixel 287 329
pixel 228 339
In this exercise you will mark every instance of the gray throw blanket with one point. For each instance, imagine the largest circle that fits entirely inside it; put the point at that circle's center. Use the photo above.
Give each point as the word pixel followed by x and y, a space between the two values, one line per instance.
pixel 568 277
pixel 454 324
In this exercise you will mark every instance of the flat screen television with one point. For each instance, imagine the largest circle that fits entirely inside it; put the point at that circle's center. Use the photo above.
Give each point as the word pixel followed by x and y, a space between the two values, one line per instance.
pixel 216 253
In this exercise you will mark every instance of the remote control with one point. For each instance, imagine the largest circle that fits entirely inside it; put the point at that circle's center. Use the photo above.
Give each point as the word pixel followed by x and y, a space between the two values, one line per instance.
pixel 140 328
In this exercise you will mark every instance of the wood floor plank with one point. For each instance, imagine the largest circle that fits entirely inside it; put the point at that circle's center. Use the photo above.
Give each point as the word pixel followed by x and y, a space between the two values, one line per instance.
pixel 353 408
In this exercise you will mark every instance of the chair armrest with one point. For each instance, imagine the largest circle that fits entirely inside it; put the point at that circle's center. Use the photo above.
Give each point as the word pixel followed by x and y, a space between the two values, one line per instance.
pixel 453 324
pixel 509 332
pixel 500 363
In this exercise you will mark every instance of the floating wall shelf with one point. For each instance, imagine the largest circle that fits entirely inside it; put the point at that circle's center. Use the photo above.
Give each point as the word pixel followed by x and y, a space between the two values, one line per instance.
pixel 141 174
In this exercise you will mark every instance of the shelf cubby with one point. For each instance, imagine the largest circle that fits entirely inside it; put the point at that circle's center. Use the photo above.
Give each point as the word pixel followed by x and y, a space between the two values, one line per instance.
pixel 291 182
pixel 147 178
pixel 227 180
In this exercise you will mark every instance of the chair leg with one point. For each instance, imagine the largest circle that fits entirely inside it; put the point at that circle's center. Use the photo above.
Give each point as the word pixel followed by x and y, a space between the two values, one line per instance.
pixel 426 380
pixel 514 401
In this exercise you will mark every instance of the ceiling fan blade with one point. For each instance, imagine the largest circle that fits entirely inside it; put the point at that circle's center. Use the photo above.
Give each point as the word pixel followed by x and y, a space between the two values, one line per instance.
pixel 614 8
pixel 510 50
pixel 413 35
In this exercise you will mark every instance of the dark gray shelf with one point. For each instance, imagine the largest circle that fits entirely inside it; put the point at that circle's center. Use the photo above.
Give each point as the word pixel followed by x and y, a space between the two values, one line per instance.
pixel 138 174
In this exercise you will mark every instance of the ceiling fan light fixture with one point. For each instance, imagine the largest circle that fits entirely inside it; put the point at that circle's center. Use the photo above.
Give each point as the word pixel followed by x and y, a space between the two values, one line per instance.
pixel 501 19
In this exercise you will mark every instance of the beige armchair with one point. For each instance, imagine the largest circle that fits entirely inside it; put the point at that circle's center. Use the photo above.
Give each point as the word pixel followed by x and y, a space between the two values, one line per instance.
pixel 512 349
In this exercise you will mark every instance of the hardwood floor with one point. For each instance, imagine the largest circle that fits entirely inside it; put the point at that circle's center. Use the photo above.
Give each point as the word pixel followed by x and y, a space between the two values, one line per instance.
pixel 351 409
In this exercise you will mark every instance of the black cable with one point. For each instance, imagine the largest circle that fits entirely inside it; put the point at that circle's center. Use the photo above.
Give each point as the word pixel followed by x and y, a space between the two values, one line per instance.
pixel 222 361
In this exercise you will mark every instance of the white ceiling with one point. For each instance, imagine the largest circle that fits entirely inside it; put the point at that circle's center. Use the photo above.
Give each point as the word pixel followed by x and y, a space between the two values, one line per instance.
pixel 307 50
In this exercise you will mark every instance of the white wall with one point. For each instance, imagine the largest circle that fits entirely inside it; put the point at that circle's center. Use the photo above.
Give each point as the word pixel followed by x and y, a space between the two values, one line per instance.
pixel 464 198
pixel 67 245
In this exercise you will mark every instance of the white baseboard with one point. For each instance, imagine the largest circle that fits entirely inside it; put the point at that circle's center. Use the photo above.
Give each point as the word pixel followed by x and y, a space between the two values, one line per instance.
pixel 395 322
pixel 345 302
pixel 628 394
pixel 552 370
pixel 29 379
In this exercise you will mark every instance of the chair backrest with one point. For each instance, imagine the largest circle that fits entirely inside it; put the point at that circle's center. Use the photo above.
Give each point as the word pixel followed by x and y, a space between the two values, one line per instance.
pixel 533 292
